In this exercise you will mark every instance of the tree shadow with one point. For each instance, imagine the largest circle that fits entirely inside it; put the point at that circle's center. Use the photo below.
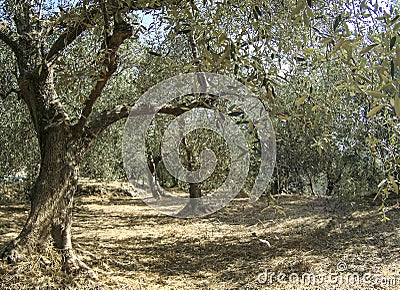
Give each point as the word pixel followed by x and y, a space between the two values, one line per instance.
pixel 251 240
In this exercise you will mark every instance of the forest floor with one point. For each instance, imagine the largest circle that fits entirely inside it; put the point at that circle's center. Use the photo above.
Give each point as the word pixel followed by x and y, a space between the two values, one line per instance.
pixel 316 243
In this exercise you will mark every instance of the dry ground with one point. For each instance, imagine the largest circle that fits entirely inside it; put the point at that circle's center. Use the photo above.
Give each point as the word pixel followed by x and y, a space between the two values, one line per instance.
pixel 342 244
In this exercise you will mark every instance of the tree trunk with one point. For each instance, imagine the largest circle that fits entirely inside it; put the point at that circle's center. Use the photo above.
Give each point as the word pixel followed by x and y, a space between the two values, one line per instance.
pixel 195 206
pixel 155 188
pixel 332 180
pixel 52 200
pixel 62 142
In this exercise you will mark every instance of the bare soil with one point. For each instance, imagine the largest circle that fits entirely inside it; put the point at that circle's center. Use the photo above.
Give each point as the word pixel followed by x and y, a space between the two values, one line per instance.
pixel 301 242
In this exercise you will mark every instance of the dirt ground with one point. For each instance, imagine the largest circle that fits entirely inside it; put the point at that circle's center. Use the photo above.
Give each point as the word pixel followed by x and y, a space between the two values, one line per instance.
pixel 317 243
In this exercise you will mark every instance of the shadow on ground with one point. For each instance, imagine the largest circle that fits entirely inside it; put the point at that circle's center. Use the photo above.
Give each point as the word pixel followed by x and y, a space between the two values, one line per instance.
pixel 133 247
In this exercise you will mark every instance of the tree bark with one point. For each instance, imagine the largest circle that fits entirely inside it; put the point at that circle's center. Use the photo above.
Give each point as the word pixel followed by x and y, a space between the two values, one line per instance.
pixel 332 181
pixel 155 187
pixel 52 200
pixel 195 206
pixel 62 142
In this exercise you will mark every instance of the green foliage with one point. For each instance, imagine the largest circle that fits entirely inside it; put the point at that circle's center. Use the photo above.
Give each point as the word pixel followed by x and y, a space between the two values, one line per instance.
pixel 19 150
pixel 104 159
pixel 326 70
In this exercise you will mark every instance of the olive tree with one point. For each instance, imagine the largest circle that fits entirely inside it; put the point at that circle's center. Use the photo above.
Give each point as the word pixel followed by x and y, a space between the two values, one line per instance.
pixel 39 34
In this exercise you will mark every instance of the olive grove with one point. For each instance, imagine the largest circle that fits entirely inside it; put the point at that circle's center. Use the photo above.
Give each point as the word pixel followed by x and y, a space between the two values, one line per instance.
pixel 326 70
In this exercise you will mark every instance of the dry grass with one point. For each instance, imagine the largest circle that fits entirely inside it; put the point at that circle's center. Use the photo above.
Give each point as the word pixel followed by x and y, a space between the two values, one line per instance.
pixel 130 246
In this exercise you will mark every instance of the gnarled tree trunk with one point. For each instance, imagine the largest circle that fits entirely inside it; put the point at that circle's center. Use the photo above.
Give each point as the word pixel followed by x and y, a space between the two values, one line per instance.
pixel 52 199
pixel 38 42
pixel 62 141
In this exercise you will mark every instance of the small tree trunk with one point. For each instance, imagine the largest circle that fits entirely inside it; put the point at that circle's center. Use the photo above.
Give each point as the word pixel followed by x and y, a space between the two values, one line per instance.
pixel 332 180
pixel 311 183
pixel 155 188
pixel 195 205
pixel 52 200
pixel 195 194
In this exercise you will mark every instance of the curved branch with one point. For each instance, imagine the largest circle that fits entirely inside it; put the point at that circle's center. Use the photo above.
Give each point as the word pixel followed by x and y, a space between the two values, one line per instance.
pixel 65 39
pixel 121 32
pixel 112 115
pixel 10 38
pixel 106 118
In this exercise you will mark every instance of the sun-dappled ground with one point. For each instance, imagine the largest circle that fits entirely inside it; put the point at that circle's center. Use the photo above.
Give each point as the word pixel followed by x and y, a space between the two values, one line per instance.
pixel 316 243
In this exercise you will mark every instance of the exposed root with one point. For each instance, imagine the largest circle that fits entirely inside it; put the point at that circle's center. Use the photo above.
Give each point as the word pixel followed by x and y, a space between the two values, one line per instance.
pixel 71 264
pixel 12 253
pixel 195 207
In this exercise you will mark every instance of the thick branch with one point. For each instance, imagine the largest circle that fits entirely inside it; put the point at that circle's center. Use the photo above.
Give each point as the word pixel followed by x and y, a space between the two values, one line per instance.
pixel 73 31
pixel 110 116
pixel 10 38
pixel 121 32
pixel 193 47
pixel 23 16
pixel 195 53
pixel 65 39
